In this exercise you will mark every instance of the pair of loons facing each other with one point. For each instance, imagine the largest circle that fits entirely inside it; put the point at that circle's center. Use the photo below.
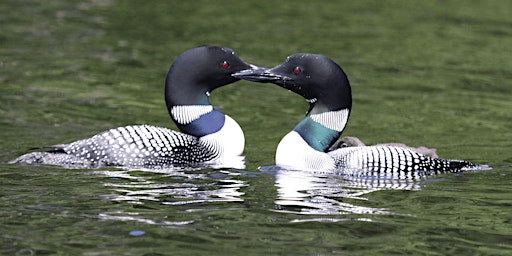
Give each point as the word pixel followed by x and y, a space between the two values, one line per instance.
pixel 209 138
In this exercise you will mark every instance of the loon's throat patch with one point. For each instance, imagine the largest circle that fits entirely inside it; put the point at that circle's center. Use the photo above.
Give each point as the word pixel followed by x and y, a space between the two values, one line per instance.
pixel 187 114
pixel 334 120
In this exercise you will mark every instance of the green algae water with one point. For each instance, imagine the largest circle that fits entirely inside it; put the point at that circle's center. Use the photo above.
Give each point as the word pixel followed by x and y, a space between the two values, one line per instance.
pixel 430 73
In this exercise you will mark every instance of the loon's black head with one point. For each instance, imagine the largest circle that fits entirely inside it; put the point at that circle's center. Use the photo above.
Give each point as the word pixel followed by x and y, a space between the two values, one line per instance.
pixel 198 71
pixel 313 76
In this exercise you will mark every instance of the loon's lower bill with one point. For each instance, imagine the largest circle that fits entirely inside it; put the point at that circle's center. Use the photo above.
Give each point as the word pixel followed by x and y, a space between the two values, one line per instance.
pixel 208 138
pixel 309 146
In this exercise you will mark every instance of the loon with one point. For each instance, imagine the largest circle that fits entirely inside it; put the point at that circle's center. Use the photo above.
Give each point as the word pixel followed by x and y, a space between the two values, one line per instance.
pixel 207 138
pixel 325 86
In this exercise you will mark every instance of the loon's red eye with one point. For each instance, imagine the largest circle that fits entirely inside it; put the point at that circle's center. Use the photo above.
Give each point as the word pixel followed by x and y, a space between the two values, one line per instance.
pixel 225 65
pixel 297 70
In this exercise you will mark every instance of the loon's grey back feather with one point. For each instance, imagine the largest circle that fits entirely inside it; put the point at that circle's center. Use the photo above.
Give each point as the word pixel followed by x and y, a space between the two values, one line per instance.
pixel 393 162
pixel 140 145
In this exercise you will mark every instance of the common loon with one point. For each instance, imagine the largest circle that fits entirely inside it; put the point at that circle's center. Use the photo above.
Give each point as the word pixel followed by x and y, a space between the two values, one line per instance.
pixel 207 138
pixel 307 147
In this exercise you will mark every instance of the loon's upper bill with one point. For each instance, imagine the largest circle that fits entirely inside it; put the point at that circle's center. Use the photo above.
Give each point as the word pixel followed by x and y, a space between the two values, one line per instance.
pixel 208 138
pixel 309 146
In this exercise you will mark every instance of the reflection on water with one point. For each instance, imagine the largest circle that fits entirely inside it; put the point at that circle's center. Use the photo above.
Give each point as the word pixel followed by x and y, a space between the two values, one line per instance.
pixel 306 192
pixel 168 187
pixel 173 186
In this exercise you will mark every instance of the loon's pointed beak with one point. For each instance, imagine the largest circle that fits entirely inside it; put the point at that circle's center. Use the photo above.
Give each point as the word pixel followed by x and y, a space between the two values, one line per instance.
pixel 259 74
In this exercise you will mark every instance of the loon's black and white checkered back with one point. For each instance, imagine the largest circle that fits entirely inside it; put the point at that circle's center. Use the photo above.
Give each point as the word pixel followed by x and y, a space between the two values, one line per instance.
pixel 393 162
pixel 141 145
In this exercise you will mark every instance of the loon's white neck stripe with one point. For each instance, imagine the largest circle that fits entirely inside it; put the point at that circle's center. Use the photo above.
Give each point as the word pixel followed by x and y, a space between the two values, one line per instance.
pixel 334 120
pixel 187 114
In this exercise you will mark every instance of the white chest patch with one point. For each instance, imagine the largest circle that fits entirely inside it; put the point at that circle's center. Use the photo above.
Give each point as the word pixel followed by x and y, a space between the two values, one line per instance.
pixel 295 153
pixel 187 114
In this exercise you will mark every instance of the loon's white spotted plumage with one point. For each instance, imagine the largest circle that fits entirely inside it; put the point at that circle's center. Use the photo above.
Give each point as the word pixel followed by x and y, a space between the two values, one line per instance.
pixel 208 138
pixel 309 146
pixel 392 162
pixel 141 145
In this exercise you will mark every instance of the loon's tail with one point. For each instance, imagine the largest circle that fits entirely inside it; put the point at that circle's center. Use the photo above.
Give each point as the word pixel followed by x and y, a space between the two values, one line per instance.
pixel 451 165
pixel 52 157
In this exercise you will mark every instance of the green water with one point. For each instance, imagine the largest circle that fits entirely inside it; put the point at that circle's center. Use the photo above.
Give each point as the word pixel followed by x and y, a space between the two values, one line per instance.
pixel 432 73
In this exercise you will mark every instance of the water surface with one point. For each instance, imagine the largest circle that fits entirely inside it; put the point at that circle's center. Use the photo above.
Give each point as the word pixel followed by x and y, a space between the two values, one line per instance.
pixel 435 74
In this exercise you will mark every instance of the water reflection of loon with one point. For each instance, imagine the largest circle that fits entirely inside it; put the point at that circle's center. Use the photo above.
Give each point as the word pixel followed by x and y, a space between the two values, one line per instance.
pixel 173 186
pixel 313 193
pixel 181 189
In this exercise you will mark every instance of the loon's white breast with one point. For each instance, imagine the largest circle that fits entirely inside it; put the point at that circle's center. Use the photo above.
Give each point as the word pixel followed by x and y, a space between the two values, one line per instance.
pixel 293 152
